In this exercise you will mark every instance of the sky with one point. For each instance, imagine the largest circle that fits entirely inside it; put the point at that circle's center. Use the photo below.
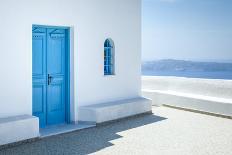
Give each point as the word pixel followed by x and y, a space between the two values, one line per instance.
pixel 198 30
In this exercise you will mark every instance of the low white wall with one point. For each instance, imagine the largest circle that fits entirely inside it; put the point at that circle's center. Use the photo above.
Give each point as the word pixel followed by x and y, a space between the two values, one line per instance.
pixel 207 87
pixel 209 95
pixel 104 112
pixel 18 128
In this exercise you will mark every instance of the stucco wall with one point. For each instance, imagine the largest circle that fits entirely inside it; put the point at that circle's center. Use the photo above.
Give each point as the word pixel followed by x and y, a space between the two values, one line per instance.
pixel 206 87
pixel 208 95
pixel 92 22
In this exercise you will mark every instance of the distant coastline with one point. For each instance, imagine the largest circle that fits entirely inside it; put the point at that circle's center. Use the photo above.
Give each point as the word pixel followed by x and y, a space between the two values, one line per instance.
pixel 183 68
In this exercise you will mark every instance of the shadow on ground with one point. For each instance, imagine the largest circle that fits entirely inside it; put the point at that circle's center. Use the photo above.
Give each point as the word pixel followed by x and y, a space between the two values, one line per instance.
pixel 84 141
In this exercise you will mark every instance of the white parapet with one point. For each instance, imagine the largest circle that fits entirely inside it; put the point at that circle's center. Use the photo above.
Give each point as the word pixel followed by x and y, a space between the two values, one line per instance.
pixel 18 128
pixel 208 95
pixel 104 112
pixel 191 101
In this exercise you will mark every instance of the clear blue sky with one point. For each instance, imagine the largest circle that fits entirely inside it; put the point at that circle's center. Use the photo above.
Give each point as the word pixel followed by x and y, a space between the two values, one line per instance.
pixel 187 29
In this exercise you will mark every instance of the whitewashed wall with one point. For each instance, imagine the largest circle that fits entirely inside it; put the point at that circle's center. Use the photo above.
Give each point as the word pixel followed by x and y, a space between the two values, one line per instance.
pixel 219 88
pixel 208 95
pixel 92 21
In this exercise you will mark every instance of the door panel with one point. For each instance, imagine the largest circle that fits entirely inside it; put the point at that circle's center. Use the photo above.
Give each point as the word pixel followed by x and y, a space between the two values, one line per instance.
pixel 56 69
pixel 38 43
pixel 39 103
pixel 49 80
pixel 56 106
pixel 55 56
pixel 39 77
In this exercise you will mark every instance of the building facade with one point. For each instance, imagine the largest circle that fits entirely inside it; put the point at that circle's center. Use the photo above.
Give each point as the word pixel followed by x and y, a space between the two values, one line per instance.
pixel 98 58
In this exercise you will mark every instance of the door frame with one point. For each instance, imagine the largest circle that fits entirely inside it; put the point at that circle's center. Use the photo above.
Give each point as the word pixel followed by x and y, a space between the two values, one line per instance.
pixel 67 69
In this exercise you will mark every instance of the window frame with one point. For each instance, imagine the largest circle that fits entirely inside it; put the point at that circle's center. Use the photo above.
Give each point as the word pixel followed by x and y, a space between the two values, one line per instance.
pixel 109 57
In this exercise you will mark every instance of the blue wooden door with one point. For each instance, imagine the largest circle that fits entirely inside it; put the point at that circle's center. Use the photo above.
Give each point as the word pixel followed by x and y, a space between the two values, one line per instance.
pixel 49 79
pixel 39 74
pixel 56 76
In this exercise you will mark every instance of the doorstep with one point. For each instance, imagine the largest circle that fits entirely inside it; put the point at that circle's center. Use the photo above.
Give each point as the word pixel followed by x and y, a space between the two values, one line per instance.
pixel 63 128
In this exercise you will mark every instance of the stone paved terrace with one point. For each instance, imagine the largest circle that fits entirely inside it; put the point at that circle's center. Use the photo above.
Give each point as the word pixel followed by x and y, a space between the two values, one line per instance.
pixel 165 132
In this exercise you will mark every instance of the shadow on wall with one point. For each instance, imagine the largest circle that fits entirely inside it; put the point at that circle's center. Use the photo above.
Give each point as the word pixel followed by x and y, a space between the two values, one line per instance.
pixel 85 141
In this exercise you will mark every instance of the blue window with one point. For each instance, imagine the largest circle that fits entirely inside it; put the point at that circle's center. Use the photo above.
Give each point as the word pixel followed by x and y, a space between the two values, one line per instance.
pixel 109 57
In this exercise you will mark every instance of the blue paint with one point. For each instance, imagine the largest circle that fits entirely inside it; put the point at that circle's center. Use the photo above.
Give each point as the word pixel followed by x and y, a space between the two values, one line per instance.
pixel 108 57
pixel 39 72
pixel 68 119
pixel 50 75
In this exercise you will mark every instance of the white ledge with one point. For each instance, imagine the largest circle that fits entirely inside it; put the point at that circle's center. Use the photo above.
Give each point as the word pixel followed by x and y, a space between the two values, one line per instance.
pixel 188 95
pixel 209 95
pixel 103 112
pixel 18 128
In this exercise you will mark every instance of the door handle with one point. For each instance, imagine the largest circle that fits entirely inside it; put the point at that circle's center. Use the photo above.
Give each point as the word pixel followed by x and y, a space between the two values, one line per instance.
pixel 49 79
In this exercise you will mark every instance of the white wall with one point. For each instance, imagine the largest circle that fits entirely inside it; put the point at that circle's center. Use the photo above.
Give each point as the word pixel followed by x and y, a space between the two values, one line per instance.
pixel 208 95
pixel 92 22
pixel 218 88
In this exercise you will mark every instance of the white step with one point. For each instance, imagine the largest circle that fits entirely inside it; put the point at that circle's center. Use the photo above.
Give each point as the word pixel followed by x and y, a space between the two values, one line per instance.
pixel 18 128
pixel 104 112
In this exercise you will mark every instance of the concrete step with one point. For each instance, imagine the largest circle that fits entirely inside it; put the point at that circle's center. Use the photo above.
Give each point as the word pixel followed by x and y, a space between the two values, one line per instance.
pixel 104 112
pixel 18 128
pixel 63 128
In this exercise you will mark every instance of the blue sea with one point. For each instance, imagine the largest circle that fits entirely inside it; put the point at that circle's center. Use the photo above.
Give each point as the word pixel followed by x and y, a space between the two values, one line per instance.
pixel 192 74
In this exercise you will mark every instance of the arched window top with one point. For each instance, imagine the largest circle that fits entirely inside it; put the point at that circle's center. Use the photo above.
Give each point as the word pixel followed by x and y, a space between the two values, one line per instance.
pixel 109 43
pixel 109 57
